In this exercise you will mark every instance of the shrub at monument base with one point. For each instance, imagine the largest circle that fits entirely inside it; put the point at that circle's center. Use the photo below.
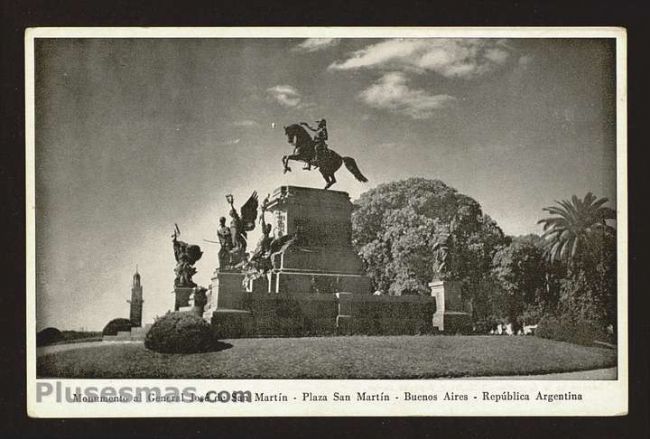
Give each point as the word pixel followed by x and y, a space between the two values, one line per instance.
pixel 48 336
pixel 179 332
pixel 116 325
pixel 579 331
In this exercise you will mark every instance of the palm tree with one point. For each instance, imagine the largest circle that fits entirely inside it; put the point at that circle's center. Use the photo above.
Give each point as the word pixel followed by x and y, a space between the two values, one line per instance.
pixel 577 224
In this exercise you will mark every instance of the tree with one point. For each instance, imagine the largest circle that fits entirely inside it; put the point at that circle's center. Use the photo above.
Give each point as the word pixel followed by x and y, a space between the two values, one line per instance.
pixel 579 235
pixel 519 270
pixel 397 227
pixel 577 224
pixel 589 290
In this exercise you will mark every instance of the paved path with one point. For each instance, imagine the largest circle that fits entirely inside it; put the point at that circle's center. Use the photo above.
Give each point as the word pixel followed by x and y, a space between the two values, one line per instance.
pixel 594 374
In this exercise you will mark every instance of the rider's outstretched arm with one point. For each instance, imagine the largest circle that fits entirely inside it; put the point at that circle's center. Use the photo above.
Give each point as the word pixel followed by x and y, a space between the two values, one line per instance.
pixel 307 125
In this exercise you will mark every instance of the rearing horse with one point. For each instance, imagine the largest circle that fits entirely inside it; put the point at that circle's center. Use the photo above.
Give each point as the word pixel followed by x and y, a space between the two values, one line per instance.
pixel 304 151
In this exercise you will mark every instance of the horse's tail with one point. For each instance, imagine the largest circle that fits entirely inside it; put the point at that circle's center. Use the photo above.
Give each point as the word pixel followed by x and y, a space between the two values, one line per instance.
pixel 351 164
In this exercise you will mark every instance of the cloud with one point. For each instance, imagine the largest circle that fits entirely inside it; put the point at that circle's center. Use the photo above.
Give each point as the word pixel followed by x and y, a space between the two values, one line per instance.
pixel 451 58
pixel 246 123
pixel 315 44
pixel 285 95
pixel 228 142
pixel 525 60
pixel 391 145
pixel 392 93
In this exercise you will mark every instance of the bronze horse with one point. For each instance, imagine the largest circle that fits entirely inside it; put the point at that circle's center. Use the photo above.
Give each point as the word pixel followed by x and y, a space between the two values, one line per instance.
pixel 304 151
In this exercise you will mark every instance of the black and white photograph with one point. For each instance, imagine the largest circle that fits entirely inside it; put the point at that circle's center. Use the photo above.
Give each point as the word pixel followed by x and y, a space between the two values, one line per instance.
pixel 313 221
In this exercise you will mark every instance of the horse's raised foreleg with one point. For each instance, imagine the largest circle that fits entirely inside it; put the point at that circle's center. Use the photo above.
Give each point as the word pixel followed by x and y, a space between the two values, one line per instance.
pixel 285 162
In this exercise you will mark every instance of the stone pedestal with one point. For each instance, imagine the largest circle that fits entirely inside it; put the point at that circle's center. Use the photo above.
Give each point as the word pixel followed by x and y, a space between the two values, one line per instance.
pixel 227 290
pixel 182 297
pixel 310 282
pixel 344 304
pixel 141 332
pixel 259 285
pixel 322 260
pixel 199 301
pixel 449 305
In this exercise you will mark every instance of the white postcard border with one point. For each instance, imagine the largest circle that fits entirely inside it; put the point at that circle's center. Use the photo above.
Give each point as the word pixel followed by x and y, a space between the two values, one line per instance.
pixel 600 398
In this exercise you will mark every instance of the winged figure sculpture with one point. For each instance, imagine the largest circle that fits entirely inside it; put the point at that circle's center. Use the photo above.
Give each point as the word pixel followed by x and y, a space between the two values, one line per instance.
pixel 241 224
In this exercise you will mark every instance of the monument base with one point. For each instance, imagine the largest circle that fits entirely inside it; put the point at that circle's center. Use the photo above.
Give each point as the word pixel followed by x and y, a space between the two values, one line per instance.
pixel 306 282
pixel 317 285
pixel 453 314
pixel 299 315
pixel 226 291
pixel 137 333
pixel 182 297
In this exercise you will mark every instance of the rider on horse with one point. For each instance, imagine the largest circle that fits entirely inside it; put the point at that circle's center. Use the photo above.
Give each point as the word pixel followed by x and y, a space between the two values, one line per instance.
pixel 306 147
pixel 319 140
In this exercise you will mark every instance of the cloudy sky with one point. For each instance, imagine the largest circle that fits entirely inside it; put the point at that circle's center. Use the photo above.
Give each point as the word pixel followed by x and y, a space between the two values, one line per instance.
pixel 134 135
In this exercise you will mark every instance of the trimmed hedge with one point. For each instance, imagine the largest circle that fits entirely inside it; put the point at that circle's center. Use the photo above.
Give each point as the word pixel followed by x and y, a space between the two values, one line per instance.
pixel 458 324
pixel 48 336
pixel 285 315
pixel 117 325
pixel 232 324
pixel 179 332
pixel 578 331
pixel 386 326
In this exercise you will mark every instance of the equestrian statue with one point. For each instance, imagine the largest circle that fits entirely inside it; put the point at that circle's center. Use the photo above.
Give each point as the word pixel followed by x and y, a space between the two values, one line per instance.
pixel 315 153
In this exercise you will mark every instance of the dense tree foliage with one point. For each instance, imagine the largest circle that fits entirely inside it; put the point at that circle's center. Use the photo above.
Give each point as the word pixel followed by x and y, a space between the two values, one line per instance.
pixel 579 235
pixel 578 226
pixel 525 284
pixel 518 269
pixel 397 225
pixel 589 291
pixel 411 231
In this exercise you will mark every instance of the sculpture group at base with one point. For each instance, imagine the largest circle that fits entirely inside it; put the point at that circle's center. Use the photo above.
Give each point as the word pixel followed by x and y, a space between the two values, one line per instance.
pixel 261 261
pixel 233 239
pixel 234 243
pixel 186 256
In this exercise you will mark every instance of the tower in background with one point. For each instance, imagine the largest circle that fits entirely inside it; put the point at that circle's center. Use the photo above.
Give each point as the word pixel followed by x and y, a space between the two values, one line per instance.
pixel 136 301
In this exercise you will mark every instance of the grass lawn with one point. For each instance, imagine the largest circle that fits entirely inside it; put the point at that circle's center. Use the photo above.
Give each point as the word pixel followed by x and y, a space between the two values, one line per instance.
pixel 334 357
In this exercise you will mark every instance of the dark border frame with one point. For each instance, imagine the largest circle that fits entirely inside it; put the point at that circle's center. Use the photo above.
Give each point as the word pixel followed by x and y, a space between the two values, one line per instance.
pixel 16 16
